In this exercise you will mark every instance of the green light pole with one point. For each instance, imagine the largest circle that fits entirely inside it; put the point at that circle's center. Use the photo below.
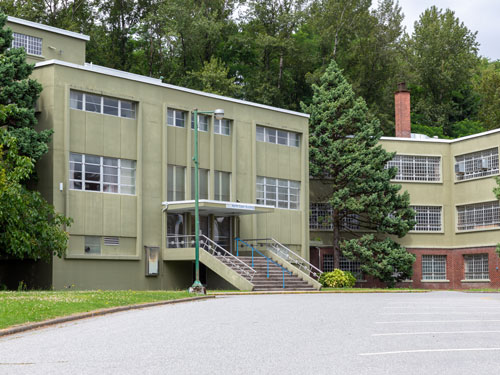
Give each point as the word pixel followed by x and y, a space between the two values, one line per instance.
pixel 197 287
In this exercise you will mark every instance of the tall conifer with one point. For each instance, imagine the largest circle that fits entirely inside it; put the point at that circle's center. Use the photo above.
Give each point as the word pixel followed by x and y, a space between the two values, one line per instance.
pixel 345 154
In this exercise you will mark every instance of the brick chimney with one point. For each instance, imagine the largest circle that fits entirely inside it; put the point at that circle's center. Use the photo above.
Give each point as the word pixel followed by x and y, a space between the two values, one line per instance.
pixel 402 107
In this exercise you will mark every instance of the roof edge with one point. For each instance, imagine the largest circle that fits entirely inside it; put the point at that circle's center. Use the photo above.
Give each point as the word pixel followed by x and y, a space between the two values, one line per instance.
pixel 153 81
pixel 52 29
pixel 437 140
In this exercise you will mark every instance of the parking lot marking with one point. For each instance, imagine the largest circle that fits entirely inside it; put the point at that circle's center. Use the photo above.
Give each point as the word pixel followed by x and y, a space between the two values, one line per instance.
pixel 444 307
pixel 439 321
pixel 442 312
pixel 431 333
pixel 432 351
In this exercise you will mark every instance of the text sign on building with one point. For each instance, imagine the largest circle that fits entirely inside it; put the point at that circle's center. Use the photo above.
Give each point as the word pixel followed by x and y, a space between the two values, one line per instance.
pixel 241 206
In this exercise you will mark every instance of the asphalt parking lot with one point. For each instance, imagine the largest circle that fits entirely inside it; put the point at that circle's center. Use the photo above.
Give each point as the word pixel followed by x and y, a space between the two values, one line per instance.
pixel 427 333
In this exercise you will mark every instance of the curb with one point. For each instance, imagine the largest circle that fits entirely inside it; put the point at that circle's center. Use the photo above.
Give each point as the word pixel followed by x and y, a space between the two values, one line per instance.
pixel 311 292
pixel 90 314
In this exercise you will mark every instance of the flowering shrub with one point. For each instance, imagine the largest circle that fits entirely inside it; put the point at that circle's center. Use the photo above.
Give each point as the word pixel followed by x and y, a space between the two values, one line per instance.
pixel 337 279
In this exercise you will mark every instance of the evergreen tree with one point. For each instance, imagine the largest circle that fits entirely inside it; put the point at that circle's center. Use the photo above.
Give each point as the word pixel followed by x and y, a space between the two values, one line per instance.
pixel 29 226
pixel 344 152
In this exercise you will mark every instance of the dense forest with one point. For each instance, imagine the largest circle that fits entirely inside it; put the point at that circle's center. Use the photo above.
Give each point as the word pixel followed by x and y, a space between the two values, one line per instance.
pixel 271 51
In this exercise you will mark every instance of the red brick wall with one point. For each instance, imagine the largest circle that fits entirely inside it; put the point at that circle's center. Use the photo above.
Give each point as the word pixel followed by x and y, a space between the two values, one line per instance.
pixel 455 268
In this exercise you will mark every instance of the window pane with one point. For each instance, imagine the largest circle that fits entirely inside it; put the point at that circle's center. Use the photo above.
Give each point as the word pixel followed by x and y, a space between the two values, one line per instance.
pixel 170 117
pixel 92 245
pixel 260 134
pixel 270 135
pixel 282 137
pixel 180 118
pixel 76 100
pixel 92 159
pixel 110 106
pixel 110 162
pixel 127 109
pixel 92 103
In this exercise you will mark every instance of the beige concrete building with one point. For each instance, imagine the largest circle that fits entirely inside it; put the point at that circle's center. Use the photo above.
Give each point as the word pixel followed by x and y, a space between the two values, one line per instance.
pixel 451 189
pixel 120 164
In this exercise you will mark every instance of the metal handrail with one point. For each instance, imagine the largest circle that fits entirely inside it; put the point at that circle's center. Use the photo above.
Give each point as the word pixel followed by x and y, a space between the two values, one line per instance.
pixel 289 255
pixel 238 240
pixel 214 249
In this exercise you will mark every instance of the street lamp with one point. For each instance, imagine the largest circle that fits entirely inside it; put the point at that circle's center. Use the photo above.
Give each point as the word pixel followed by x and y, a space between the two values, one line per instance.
pixel 197 287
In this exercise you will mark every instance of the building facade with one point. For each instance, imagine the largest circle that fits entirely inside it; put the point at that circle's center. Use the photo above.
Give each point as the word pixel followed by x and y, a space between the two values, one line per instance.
pixel 120 164
pixel 451 186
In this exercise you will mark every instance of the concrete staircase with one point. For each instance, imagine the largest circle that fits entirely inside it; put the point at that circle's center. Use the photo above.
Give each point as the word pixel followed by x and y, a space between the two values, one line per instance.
pixel 275 280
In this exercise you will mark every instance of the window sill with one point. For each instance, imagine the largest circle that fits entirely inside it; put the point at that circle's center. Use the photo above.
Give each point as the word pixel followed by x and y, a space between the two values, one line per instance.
pixel 417 182
pixel 37 57
pixel 476 281
pixel 426 232
pixel 103 192
pixel 102 257
pixel 435 281
pixel 477 230
pixel 476 178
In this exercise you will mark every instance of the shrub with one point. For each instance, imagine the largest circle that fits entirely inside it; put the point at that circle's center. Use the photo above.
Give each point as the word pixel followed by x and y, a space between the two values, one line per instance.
pixel 337 279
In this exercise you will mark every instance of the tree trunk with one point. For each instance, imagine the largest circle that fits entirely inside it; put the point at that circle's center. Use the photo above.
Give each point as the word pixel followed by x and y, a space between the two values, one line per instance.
pixel 281 70
pixel 336 239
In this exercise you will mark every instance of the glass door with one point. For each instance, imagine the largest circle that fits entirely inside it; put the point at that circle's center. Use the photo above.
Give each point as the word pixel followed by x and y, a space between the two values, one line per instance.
pixel 222 234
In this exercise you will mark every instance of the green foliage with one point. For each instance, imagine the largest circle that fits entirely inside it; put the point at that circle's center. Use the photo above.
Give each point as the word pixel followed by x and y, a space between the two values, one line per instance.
pixel 337 279
pixel 344 150
pixel 213 78
pixel 488 88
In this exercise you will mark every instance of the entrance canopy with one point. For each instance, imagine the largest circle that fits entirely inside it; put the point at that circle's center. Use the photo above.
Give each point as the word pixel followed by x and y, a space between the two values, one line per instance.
pixel 218 208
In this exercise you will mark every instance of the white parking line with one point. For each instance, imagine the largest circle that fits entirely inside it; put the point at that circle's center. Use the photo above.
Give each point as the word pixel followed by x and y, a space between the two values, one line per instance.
pixel 443 307
pixel 439 321
pixel 443 312
pixel 431 351
pixel 431 333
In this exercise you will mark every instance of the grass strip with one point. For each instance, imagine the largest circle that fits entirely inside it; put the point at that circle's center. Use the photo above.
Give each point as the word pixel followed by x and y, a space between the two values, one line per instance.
pixel 35 306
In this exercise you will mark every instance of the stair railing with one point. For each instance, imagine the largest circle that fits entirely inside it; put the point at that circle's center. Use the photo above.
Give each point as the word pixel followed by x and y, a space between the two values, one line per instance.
pixel 240 242
pixel 289 255
pixel 214 249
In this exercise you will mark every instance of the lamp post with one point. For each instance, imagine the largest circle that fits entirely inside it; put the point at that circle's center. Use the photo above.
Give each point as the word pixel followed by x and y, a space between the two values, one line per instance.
pixel 197 287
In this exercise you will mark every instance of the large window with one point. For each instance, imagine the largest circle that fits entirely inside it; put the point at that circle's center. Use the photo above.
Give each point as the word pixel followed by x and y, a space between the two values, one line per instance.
pixel 31 44
pixel 100 173
pixel 101 104
pixel 202 183
pixel 476 267
pixel 176 176
pixel 280 137
pixel 222 126
pixel 477 164
pixel 416 168
pixel 351 266
pixel 328 264
pixel 176 117
pixel 433 267
pixel 478 216
pixel 222 186
pixel 203 121
pixel 320 218
pixel 278 193
pixel 428 218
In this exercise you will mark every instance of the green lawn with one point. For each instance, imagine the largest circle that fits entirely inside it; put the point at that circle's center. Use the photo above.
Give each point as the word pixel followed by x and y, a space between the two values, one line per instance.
pixel 24 307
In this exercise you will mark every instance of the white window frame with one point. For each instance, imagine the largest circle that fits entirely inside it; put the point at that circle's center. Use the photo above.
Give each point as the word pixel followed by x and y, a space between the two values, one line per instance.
pixel 352 267
pixel 266 190
pixel 73 104
pixel 432 218
pixel 472 164
pixel 416 168
pixel 435 265
pixel 173 182
pixel 219 127
pixel 218 175
pixel 476 267
pixel 31 44
pixel 320 215
pixel 172 114
pixel 120 187
pixel 478 216
pixel 272 135
pixel 205 126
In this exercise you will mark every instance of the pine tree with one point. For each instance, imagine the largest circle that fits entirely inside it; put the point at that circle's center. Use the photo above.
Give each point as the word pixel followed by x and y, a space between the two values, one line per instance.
pixel 345 154
pixel 29 226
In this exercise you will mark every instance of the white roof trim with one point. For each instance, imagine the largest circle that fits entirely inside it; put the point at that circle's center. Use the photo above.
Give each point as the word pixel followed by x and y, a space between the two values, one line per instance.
pixel 166 203
pixel 437 140
pixel 48 28
pixel 153 81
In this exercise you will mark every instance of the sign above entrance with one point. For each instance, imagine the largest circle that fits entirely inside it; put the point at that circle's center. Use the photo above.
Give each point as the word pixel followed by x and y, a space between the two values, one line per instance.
pixel 241 206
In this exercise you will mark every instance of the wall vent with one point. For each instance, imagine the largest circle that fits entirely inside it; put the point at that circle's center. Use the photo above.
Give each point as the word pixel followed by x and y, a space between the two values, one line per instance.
pixel 111 241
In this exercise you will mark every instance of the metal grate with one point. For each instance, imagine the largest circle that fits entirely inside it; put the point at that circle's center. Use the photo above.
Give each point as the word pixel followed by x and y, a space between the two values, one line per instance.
pixel 352 267
pixel 328 264
pixel 416 168
pixel 320 218
pixel 477 164
pixel 478 216
pixel 428 218
pixel 111 241
pixel 476 267
pixel 434 267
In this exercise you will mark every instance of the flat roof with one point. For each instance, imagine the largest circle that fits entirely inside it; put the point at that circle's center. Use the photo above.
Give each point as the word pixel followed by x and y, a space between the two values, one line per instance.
pixel 437 140
pixel 52 29
pixel 222 208
pixel 157 82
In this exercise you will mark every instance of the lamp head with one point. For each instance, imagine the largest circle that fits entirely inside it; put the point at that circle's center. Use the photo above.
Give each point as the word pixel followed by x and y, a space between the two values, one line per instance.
pixel 219 114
